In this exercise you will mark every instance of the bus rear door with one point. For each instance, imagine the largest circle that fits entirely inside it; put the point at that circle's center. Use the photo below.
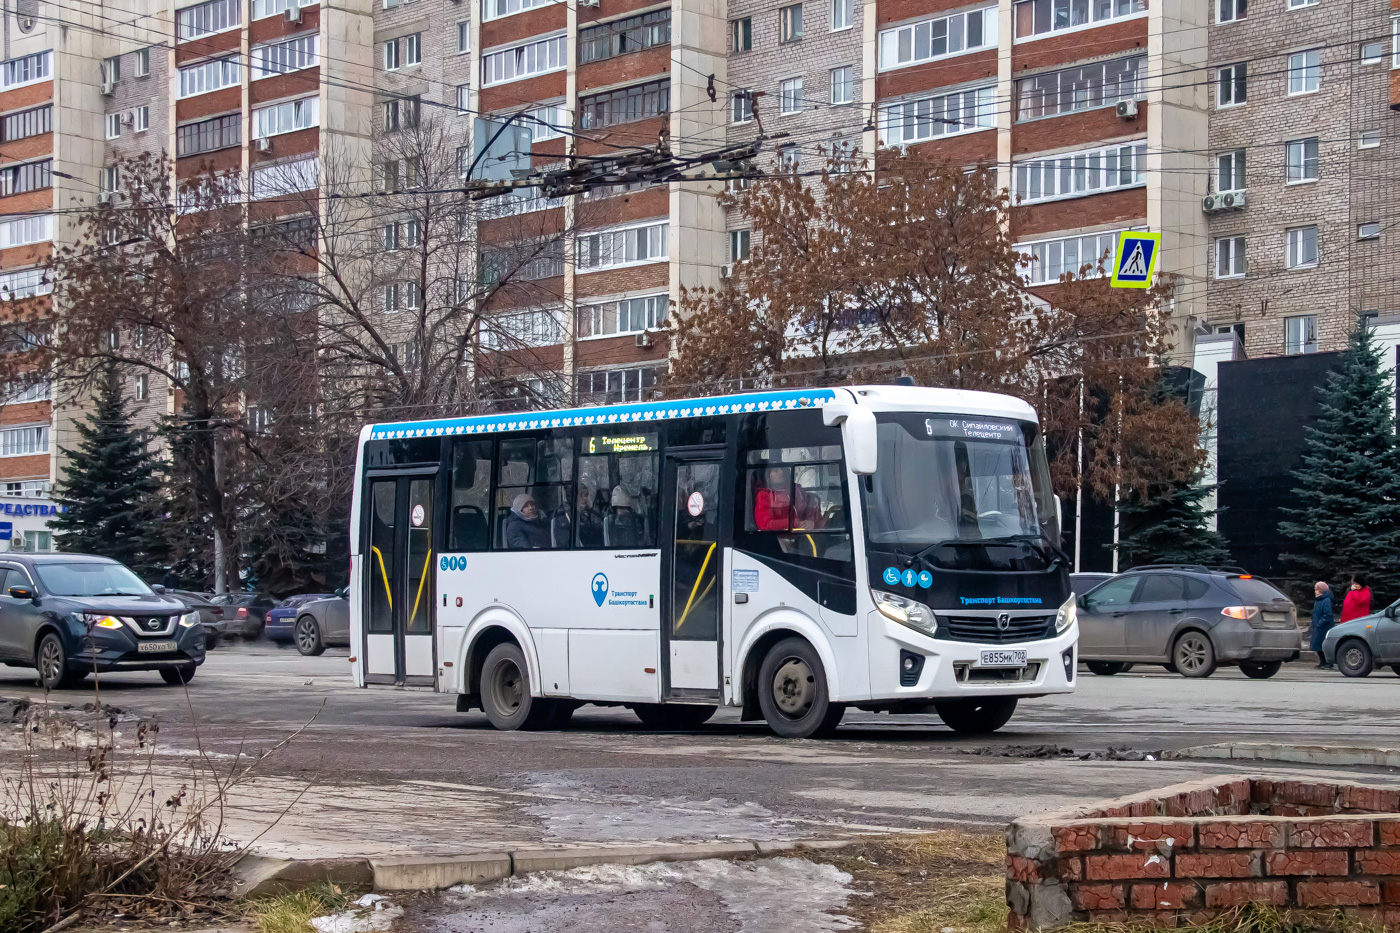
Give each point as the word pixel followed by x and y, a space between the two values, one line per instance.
pixel 398 577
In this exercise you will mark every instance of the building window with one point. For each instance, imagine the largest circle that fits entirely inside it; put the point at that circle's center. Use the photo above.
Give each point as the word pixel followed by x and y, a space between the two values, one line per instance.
pixel 1229 171
pixel 624 316
pixel 285 178
pixel 27 123
pixel 740 107
pixel 31 176
pixel 790 96
pixel 547 122
pixel 530 262
pixel 937 38
pixel 114 125
pixel 26 70
pixel 402 113
pixel 1369 139
pixel 143 62
pixel 209 76
pixel 24 283
pixel 1228 11
pixel 1232 86
pixel 842 85
pixel 22 442
pixel 790 23
pixel 400 296
pixel 1372 53
pixel 841 14
pixel 391 55
pixel 1050 259
pixel 204 19
pixel 23 231
pixel 914 121
pixel 1040 17
pixel 538 327
pixel 277 58
pixel 1368 231
pixel 464 38
pixel 112 69
pixel 625 105
pixel 1300 334
pixel 28 488
pixel 1300 160
pixel 615 386
pixel 413 49
pixel 1395 42
pixel 523 61
pixel 1304 72
pixel 1230 257
pixel 495 9
pixel 36 542
pixel 1080 173
pixel 1101 84
pixel 262 9
pixel 1302 248
pixel 143 383
pixel 739 245
pixel 286 117
pixel 141 118
pixel 741 34
pixel 623 36
pixel 464 98
pixel 625 247
pixel 1299 4
pixel 208 135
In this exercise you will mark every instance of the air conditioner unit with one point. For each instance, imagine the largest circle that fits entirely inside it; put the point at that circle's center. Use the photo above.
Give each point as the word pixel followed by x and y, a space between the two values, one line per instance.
pixel 127 119
pixel 106 197
pixel 262 144
pixel 107 88
pixel 293 14
pixel 587 2
pixel 644 339
pixel 1233 200
pixel 1126 109
pixel 726 270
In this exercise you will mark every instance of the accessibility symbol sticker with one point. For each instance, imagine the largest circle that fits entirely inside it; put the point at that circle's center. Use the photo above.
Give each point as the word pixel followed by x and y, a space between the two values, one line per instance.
pixel 892 576
pixel 1135 262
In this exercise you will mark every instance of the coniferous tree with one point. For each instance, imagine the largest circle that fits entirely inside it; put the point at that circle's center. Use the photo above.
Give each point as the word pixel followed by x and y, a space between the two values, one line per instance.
pixel 1170 527
pixel 1347 515
pixel 110 491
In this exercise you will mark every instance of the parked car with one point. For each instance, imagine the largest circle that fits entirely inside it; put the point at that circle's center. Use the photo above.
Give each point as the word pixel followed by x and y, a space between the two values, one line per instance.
pixel 1189 619
pixel 321 623
pixel 281 619
pixel 1356 647
pixel 246 613
pixel 1082 583
pixel 68 615
pixel 211 614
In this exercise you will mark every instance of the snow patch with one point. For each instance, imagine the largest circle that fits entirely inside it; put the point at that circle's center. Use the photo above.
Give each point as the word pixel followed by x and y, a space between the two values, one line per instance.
pixel 371 914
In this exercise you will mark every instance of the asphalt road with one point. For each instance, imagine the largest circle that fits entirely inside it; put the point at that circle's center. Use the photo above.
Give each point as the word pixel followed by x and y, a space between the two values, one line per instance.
pixel 401 772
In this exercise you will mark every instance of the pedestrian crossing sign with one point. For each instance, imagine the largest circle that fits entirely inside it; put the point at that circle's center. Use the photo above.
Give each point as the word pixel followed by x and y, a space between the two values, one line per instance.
pixel 1135 262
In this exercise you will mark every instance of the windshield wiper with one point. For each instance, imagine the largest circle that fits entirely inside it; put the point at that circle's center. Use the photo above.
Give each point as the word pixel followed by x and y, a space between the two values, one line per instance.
pixel 1039 542
pixel 923 553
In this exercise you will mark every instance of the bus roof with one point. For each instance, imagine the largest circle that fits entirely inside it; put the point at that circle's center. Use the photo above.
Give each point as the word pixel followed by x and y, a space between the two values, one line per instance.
pixel 877 397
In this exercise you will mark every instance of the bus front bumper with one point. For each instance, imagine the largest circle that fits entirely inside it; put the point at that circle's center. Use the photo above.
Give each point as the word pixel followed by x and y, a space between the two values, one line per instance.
pixel 906 664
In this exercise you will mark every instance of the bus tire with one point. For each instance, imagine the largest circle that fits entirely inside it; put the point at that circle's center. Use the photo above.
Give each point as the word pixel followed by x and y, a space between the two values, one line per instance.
pixel 792 691
pixel 976 717
pixel 673 715
pixel 505 691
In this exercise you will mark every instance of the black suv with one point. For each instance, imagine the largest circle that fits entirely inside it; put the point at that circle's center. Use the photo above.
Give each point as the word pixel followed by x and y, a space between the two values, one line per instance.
pixel 69 615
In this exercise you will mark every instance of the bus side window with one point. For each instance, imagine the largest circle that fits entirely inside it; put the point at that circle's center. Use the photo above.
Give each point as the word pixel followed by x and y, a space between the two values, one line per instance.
pixel 792 490
pixel 534 493
pixel 471 496
pixel 617 495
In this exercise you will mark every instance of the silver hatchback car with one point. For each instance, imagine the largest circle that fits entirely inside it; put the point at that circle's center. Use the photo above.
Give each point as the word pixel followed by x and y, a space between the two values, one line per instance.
pixel 1189 619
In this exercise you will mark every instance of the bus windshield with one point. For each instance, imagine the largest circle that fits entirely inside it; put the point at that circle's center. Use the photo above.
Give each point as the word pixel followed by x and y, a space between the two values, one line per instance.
pixel 965 492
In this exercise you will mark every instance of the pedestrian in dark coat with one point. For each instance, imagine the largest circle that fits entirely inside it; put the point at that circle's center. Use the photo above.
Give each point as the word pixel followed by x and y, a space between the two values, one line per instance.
pixel 1321 618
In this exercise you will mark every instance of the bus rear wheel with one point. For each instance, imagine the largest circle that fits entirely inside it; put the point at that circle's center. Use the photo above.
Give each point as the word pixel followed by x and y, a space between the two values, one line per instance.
pixel 505 692
pixel 792 691
pixel 976 717
pixel 673 715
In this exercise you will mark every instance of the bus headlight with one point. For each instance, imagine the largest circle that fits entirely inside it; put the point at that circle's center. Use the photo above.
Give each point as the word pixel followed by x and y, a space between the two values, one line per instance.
pixel 905 611
pixel 1067 616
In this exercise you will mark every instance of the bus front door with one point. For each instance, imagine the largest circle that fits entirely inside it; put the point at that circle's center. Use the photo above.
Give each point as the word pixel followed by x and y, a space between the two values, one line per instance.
pixel 398 580
pixel 692 559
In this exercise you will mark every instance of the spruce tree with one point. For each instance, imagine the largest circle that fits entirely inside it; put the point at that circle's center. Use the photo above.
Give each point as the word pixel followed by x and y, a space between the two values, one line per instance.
pixel 1346 520
pixel 110 491
pixel 1170 526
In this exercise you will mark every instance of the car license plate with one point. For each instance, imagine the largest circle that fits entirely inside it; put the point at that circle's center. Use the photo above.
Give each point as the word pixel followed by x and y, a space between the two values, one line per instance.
pixel 150 647
pixel 1003 659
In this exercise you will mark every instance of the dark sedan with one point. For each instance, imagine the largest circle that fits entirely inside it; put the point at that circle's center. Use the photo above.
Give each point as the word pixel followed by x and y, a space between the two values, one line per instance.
pixel 70 615
pixel 281 621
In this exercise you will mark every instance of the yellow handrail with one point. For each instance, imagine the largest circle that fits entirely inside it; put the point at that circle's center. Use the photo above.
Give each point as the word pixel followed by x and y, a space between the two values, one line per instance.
pixel 705 563
pixel 421 580
pixel 388 594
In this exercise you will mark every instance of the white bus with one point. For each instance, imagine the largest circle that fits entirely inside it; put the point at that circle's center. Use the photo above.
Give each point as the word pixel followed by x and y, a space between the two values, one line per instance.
pixel 790 553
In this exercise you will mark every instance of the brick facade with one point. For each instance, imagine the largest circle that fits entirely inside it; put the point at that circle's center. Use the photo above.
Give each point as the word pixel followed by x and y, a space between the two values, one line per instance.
pixel 1183 854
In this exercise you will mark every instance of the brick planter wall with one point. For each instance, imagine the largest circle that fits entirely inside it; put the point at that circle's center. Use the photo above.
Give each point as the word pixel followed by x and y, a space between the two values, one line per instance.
pixel 1185 853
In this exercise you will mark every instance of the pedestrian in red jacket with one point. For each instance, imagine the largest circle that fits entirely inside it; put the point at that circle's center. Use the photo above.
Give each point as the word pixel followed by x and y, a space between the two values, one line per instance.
pixel 1357 602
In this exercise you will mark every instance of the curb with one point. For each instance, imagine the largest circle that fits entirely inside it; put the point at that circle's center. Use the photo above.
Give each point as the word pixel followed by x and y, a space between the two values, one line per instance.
pixel 257 876
pixel 1298 754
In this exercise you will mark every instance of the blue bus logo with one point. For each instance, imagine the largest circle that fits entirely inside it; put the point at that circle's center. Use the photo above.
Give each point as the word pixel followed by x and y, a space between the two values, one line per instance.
pixel 600 588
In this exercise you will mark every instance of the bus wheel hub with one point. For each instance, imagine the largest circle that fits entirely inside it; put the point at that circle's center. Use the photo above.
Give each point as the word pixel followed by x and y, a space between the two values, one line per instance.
pixel 793 688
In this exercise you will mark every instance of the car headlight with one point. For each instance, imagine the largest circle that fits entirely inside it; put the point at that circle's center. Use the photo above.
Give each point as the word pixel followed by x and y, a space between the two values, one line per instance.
pixel 1067 615
pixel 905 611
pixel 101 621
pixel 189 620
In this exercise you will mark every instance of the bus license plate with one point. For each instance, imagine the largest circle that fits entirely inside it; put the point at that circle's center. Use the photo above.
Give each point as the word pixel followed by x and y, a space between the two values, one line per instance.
pixel 148 647
pixel 1003 659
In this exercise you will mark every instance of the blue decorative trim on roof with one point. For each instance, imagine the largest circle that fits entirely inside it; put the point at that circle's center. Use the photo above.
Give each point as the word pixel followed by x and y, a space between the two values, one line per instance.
pixel 607 415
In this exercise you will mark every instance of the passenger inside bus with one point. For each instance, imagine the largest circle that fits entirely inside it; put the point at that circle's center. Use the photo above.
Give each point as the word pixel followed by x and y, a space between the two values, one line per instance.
pixel 525 527
pixel 623 526
pixel 777 509
pixel 590 519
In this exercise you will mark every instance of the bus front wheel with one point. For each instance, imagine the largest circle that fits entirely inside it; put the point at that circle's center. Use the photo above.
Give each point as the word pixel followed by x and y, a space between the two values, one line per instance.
pixel 792 691
pixel 505 691
pixel 976 717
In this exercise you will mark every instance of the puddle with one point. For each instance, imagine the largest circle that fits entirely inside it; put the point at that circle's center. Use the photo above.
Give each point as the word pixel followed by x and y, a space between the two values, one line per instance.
pixel 573 814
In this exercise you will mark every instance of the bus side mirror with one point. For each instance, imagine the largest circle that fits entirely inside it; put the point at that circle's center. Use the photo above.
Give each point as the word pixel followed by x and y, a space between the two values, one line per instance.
pixel 857 431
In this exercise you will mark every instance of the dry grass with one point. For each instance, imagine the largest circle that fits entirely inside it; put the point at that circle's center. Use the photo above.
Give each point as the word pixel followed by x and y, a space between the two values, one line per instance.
pixel 292 912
